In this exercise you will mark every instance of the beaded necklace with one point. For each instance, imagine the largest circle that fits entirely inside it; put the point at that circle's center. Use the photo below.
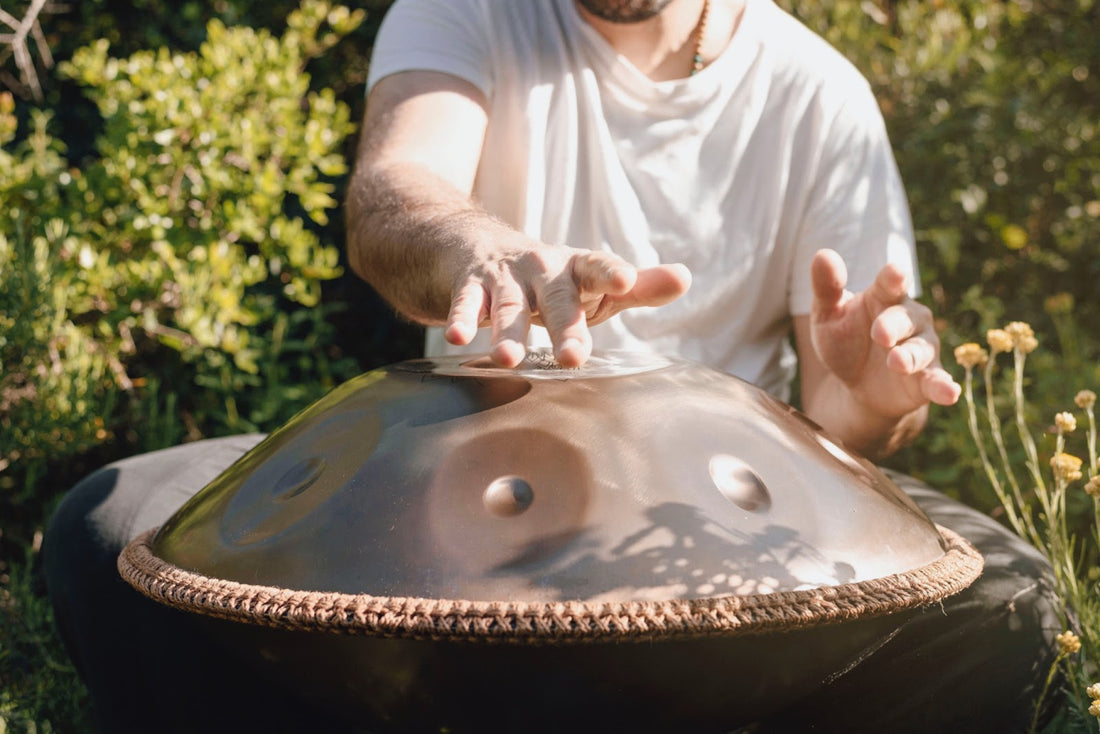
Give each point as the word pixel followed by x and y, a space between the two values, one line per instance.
pixel 700 33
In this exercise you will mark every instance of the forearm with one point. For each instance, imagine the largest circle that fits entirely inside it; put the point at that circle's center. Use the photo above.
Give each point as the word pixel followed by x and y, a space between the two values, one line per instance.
pixel 843 415
pixel 408 229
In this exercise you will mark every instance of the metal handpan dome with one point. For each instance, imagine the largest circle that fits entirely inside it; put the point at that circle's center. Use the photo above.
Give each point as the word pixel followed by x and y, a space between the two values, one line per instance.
pixel 449 503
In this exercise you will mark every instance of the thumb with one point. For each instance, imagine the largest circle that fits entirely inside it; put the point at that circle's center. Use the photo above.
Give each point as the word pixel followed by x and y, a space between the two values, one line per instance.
pixel 829 276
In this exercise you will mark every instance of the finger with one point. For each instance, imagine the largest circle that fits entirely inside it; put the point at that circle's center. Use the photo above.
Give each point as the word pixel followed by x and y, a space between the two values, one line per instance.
pixel 656 286
pixel 561 313
pixel 510 314
pixel 939 387
pixel 911 356
pixel 891 285
pixel 829 276
pixel 467 312
pixel 896 324
pixel 662 284
pixel 596 272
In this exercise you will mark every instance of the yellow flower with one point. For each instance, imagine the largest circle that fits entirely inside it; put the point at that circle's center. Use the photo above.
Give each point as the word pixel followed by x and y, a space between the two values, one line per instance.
pixel 1068 643
pixel 1085 399
pixel 1019 329
pixel 1093 690
pixel 1067 467
pixel 971 355
pixel 999 340
pixel 1094 709
pixel 1092 488
pixel 1059 303
pixel 1023 338
pixel 1065 422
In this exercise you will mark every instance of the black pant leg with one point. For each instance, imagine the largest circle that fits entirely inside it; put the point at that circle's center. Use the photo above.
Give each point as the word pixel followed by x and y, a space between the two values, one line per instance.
pixel 975 663
pixel 148 667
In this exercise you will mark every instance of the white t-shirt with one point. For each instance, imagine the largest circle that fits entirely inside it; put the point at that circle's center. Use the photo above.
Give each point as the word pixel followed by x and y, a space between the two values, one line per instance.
pixel 741 172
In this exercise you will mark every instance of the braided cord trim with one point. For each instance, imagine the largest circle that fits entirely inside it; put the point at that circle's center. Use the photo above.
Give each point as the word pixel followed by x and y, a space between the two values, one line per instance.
pixel 568 621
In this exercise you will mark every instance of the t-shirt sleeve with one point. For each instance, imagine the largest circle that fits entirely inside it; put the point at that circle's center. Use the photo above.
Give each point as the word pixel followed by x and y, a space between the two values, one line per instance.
pixel 449 36
pixel 856 203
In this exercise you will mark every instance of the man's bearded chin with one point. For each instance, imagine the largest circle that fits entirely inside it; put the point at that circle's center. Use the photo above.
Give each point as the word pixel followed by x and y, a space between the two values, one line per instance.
pixel 624 11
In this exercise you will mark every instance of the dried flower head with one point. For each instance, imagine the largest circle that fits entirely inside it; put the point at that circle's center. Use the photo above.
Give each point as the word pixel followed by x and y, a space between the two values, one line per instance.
pixel 1019 329
pixel 1093 691
pixel 1023 338
pixel 1068 643
pixel 1085 399
pixel 999 340
pixel 1092 487
pixel 971 355
pixel 1059 303
pixel 1067 467
pixel 1065 422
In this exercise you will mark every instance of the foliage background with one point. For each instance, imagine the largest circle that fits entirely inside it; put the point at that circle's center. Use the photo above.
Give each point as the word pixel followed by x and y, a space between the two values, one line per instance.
pixel 992 108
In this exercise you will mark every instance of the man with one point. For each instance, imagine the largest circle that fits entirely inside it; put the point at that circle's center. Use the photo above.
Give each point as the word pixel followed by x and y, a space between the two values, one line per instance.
pixel 576 164
pixel 540 162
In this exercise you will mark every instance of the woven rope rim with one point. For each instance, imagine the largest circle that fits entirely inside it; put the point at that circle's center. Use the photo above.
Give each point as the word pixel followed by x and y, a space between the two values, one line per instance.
pixel 528 622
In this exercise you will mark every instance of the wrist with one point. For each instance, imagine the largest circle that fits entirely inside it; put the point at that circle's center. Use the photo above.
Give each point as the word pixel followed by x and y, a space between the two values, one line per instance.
pixel 866 424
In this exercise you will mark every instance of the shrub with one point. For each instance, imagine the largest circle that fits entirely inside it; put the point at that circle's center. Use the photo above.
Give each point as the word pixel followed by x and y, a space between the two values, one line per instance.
pixel 185 254
pixel 55 381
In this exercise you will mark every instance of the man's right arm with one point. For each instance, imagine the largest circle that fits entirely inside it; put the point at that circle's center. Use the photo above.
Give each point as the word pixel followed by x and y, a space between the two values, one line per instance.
pixel 417 236
pixel 410 190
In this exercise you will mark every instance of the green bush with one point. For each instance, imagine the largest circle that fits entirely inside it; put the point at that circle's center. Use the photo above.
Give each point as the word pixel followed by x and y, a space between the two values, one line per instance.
pixel 183 253
pixel 183 216
pixel 53 375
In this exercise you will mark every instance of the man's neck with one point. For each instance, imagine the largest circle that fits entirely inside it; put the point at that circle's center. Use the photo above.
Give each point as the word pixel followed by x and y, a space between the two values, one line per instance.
pixel 662 47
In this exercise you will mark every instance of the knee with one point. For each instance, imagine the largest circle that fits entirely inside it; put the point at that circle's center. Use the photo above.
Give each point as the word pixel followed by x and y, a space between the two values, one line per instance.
pixel 71 541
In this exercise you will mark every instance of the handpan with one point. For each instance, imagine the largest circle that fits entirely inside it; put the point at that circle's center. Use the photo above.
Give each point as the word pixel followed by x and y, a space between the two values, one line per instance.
pixel 641 543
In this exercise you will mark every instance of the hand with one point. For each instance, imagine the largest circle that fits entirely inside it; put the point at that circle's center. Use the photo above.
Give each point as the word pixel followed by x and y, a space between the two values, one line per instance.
pixel 564 289
pixel 880 343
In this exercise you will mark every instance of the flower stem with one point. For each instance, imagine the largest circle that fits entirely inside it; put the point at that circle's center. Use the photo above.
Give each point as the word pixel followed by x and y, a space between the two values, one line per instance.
pixel 1092 442
pixel 991 473
pixel 1046 689
pixel 1021 420
pixel 998 438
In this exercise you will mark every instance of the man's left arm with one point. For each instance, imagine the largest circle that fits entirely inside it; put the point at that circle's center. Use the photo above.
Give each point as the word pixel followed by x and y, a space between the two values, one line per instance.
pixel 869 361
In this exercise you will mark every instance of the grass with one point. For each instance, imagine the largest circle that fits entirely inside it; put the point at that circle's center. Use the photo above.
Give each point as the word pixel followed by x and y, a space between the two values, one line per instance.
pixel 40 690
